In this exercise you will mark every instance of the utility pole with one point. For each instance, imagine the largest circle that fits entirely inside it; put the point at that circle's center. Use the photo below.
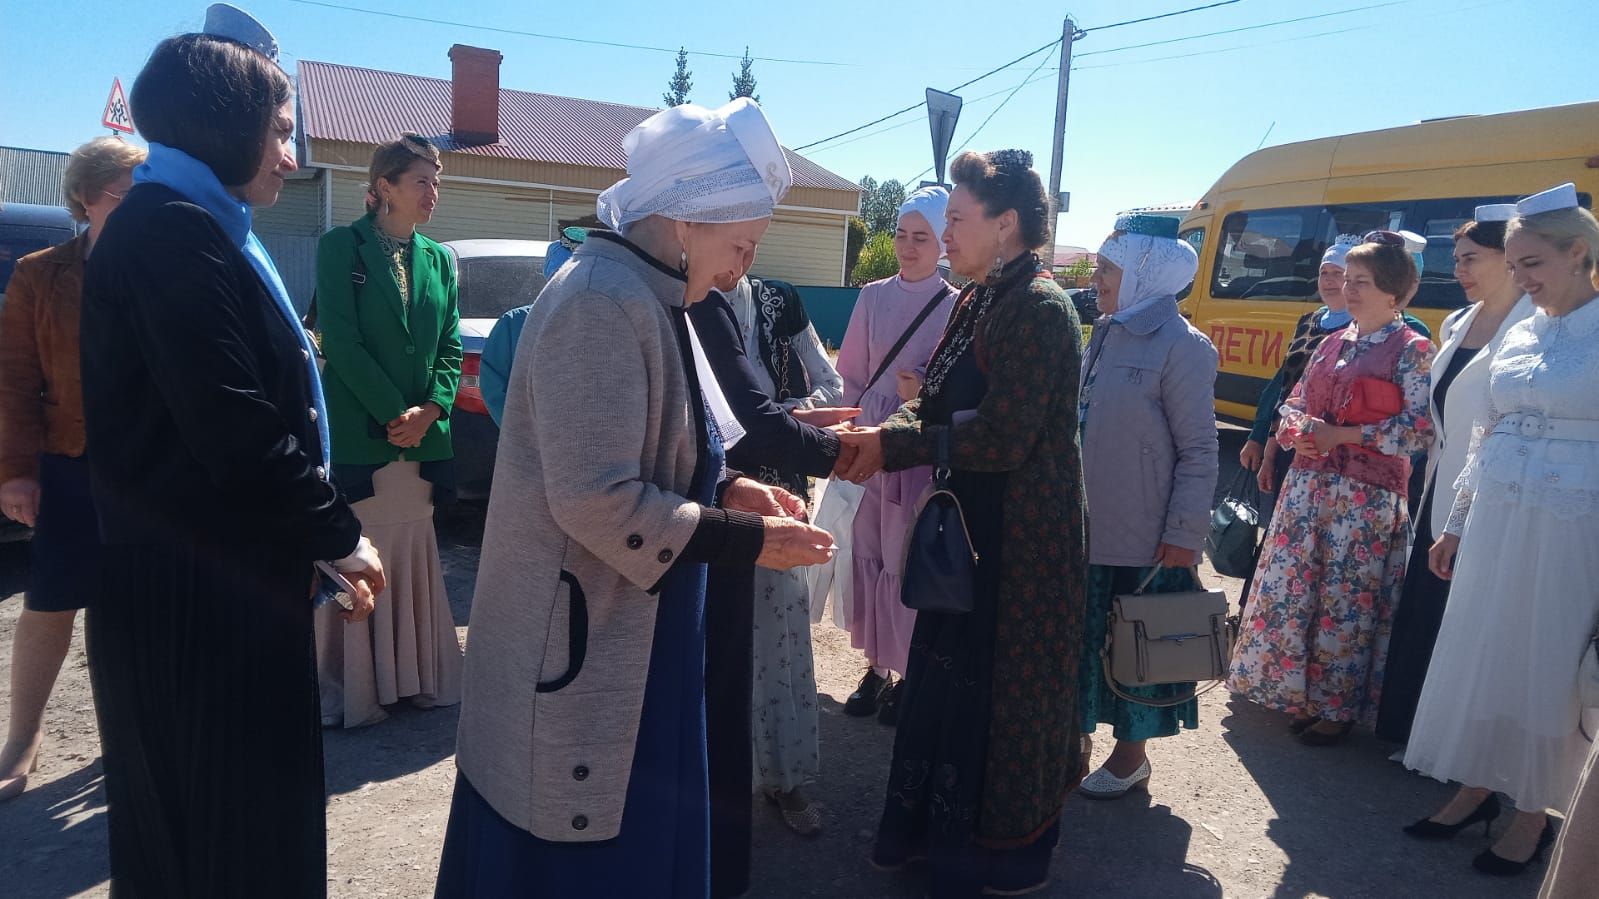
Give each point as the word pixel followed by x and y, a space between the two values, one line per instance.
pixel 1067 34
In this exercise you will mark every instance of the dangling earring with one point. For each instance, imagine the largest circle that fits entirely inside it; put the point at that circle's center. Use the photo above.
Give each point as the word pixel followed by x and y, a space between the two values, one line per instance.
pixel 385 211
pixel 682 263
pixel 997 269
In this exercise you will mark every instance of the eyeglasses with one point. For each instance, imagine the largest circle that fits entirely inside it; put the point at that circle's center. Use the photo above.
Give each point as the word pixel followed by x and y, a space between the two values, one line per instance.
pixel 113 194
pixel 1385 238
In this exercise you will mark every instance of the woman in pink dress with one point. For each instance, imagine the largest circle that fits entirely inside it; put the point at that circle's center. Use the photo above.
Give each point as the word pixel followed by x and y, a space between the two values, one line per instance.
pixel 896 324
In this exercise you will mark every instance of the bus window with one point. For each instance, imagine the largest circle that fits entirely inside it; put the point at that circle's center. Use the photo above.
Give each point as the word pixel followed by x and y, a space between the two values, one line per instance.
pixel 1195 237
pixel 1267 254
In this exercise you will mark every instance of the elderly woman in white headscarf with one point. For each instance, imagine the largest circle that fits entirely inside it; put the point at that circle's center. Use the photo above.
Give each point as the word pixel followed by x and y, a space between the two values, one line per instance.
pixel 582 747
pixel 893 331
pixel 1148 421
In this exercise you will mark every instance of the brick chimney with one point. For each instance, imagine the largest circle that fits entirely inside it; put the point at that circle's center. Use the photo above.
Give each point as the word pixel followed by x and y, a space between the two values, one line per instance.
pixel 474 94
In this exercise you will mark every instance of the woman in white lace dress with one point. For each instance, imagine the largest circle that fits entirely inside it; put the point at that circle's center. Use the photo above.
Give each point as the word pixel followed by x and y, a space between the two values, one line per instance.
pixel 1500 711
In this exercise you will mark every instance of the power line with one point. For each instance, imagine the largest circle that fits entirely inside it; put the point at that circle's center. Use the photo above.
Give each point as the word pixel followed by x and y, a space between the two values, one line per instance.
pixel 1194 37
pixel 972 102
pixel 1002 105
pixel 566 38
pixel 1250 46
pixel 916 106
pixel 1164 15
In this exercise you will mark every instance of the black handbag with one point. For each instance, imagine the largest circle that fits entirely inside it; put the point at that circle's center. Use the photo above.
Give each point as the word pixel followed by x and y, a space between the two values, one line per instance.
pixel 1233 542
pixel 940 570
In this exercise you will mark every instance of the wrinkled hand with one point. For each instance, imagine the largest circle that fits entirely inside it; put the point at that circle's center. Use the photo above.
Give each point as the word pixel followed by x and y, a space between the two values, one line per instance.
pixel 408 430
pixel 19 500
pixel 867 444
pixel 793 544
pixel 825 416
pixel 747 495
pixel 1168 556
pixel 1441 558
pixel 1250 456
pixel 909 385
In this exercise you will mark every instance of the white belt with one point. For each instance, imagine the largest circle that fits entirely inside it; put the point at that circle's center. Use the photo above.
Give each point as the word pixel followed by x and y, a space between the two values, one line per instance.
pixel 1535 426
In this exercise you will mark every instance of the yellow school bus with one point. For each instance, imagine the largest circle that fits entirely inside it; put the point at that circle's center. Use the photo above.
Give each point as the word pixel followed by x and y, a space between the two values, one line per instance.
pixel 1261 229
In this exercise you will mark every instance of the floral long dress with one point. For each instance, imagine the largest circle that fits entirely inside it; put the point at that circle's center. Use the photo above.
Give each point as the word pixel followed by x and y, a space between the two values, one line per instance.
pixel 1314 636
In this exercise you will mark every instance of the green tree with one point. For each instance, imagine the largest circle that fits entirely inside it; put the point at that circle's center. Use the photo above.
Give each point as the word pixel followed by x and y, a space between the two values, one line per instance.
pixel 1081 270
pixel 744 81
pixel 853 243
pixel 877 260
pixel 678 87
pixel 880 204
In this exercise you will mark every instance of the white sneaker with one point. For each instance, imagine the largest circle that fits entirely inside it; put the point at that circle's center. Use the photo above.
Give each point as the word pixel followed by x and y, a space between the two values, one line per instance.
pixel 1104 785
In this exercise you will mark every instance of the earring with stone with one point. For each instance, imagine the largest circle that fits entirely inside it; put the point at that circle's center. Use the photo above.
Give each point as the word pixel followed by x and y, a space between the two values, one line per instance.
pixel 997 269
pixel 682 262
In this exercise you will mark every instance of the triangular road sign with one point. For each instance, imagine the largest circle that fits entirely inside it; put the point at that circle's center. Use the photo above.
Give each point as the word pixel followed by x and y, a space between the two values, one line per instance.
pixel 116 115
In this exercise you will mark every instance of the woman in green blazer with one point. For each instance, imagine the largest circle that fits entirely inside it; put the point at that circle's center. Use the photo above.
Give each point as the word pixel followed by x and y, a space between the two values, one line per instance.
pixel 388 314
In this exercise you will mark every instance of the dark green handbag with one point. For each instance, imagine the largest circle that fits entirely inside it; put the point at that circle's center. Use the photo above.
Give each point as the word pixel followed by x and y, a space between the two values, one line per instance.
pixel 1233 543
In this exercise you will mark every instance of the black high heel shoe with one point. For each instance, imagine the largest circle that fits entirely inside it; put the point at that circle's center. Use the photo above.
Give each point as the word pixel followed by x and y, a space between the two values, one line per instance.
pixel 1499 866
pixel 1486 811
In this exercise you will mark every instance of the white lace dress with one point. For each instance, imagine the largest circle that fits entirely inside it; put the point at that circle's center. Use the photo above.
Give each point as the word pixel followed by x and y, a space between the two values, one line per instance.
pixel 1500 708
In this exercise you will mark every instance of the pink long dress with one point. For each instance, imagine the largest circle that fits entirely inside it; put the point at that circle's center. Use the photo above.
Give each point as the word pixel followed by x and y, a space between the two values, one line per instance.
pixel 879 623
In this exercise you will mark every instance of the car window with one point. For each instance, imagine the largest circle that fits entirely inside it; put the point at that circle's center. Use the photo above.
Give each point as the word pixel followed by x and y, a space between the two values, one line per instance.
pixel 491 286
pixel 1194 237
pixel 1268 254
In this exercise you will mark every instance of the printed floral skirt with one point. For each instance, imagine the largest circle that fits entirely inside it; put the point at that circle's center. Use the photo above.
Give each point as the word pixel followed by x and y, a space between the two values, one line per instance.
pixel 1315 631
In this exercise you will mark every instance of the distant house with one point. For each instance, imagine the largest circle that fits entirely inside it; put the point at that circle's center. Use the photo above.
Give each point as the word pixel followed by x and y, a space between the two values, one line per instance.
pixel 515 164
pixel 32 176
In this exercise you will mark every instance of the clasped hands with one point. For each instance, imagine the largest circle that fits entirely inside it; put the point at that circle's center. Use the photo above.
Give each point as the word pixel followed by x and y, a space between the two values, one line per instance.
pixel 860 453
pixel 408 430
pixel 789 539
pixel 1315 438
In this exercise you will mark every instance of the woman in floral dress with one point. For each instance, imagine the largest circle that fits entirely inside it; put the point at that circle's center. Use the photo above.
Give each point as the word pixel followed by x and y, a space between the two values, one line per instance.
pixel 1316 624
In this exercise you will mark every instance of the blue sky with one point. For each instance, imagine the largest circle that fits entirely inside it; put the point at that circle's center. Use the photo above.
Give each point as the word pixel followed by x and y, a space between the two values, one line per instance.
pixel 1149 125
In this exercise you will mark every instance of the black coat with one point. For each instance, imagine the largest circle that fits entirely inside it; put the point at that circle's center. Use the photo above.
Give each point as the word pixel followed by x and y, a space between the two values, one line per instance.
pixel 772 437
pixel 196 397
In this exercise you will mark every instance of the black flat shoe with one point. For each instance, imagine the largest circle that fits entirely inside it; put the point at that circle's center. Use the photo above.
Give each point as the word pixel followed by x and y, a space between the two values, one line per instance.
pixel 863 702
pixel 1300 725
pixel 1498 866
pixel 888 704
pixel 1311 737
pixel 1486 811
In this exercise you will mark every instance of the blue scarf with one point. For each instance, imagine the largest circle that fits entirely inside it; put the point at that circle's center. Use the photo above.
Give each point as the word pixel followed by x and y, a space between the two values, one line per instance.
pixel 1333 321
pixel 197 183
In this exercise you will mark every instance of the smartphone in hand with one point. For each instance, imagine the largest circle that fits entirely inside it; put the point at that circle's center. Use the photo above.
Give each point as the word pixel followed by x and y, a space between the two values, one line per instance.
pixel 336 586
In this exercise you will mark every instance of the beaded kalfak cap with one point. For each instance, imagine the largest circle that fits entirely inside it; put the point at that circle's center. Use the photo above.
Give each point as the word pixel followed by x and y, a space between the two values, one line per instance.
pixel 1011 160
pixel 1163 226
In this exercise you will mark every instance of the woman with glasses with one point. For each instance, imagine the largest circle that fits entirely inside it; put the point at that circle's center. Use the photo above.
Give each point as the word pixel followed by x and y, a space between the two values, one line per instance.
pixel 44 471
pixel 1315 629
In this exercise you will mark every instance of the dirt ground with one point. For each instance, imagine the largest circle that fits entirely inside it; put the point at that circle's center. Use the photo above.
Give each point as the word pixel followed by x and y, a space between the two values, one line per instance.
pixel 1236 809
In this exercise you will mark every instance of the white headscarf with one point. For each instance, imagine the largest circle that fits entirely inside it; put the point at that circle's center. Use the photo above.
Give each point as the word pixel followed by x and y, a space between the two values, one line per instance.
pixel 1152 268
pixel 693 164
pixel 931 202
pixel 1340 249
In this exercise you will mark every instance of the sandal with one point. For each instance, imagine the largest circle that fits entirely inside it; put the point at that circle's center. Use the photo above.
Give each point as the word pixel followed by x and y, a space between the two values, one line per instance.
pixel 807 821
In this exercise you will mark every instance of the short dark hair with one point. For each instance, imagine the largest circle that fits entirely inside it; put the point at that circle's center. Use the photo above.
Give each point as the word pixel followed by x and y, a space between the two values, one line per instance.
pixel 1004 179
pixel 1484 234
pixel 1392 269
pixel 212 98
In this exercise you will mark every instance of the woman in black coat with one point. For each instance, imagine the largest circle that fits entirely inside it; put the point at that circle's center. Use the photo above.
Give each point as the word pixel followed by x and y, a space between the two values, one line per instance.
pixel 207 446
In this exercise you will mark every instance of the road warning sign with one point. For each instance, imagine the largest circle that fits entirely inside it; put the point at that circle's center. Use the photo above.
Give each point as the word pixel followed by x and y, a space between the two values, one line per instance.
pixel 116 116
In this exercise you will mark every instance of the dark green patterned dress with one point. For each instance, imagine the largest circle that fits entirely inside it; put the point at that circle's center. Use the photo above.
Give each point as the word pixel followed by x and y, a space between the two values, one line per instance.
pixel 987 747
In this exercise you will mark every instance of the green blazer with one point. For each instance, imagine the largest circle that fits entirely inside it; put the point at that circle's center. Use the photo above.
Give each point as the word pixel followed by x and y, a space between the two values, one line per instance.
pixel 381 360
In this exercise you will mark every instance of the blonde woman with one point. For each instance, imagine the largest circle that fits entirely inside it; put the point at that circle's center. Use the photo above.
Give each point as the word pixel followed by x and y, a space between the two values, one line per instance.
pixel 1500 711
pixel 44 474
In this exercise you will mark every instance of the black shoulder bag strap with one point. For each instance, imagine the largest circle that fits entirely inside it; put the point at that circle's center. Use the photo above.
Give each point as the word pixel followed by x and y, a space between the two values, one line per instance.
pixel 357 278
pixel 904 339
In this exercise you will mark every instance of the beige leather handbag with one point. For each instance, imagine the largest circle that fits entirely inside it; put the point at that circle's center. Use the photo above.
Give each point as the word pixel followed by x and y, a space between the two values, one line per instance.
pixel 1167 638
